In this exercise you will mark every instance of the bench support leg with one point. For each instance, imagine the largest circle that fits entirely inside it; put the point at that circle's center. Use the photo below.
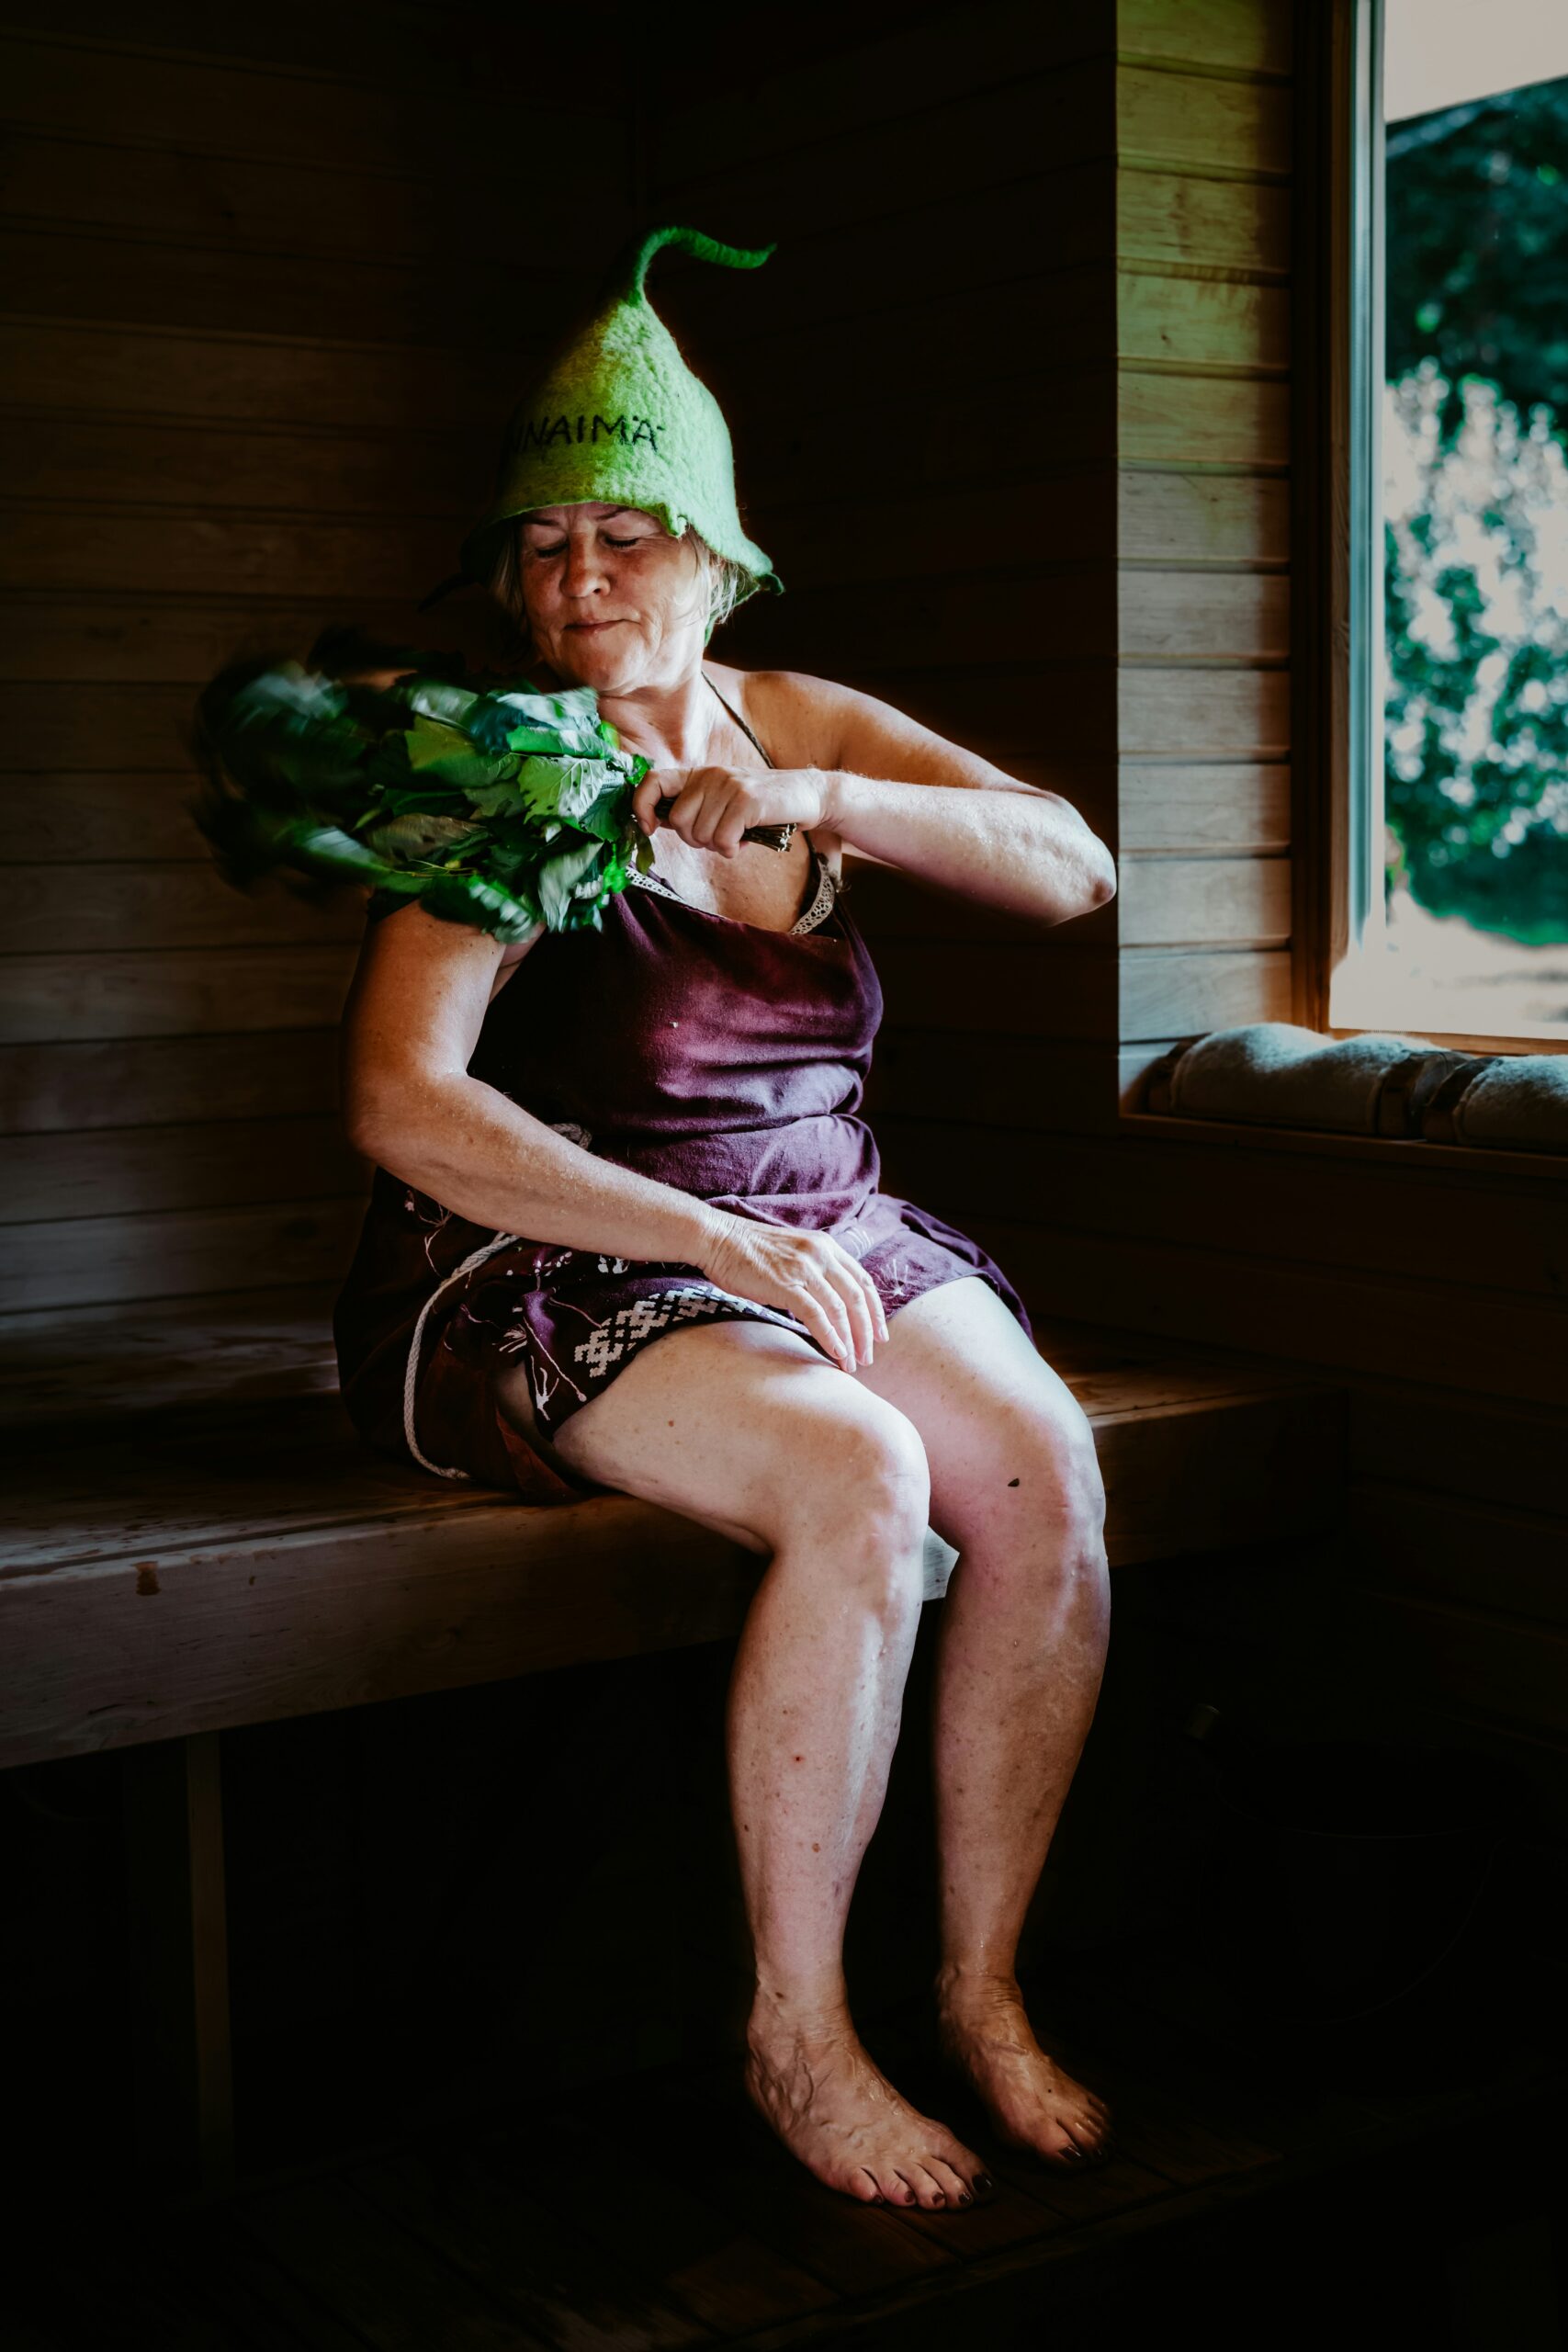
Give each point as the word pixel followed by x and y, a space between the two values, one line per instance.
pixel 179 1956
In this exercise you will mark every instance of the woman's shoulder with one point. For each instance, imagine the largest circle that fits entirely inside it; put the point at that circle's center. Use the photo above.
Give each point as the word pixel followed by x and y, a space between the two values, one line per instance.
pixel 801 718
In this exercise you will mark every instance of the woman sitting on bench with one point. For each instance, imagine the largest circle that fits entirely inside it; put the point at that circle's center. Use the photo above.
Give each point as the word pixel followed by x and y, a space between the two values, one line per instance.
pixel 665 1107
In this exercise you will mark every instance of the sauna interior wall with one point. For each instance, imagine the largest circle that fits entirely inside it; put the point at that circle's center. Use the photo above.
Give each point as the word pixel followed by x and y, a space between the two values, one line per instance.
pixel 268 280
pixel 1433 1281
pixel 1014 411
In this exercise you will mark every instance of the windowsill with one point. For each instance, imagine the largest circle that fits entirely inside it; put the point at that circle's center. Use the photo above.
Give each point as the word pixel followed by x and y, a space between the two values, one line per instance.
pixel 1403 1151
pixel 1523 1040
pixel 1365 996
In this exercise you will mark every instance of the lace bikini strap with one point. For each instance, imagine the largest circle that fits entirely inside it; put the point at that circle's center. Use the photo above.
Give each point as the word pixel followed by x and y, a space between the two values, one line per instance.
pixel 730 707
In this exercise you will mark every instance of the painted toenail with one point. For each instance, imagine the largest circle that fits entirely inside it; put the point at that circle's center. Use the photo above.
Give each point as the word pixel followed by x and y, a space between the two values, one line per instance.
pixel 965 2198
pixel 984 2180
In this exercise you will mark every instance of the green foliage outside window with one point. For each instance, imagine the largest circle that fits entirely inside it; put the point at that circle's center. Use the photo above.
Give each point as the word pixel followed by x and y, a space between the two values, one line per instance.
pixel 1476 512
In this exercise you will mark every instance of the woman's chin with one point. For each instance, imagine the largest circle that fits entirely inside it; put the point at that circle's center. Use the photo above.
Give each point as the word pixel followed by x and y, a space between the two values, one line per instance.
pixel 609 659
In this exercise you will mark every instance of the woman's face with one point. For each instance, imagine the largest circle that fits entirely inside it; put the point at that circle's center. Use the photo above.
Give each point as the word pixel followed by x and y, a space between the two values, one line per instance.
pixel 612 600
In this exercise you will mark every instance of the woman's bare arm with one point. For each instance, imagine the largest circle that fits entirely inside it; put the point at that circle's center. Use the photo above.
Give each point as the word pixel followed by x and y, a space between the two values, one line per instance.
pixel 896 792
pixel 410 1027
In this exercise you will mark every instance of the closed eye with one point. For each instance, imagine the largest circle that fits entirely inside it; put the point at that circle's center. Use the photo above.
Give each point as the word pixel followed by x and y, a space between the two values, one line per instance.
pixel 559 549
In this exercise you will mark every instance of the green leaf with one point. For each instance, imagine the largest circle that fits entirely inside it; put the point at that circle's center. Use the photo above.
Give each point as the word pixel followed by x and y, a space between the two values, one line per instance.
pixel 559 877
pixel 402 838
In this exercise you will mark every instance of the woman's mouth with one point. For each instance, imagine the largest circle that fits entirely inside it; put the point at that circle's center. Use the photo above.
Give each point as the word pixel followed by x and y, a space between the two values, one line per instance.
pixel 587 627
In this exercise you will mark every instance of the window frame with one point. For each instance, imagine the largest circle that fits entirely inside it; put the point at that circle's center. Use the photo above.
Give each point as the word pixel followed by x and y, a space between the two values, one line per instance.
pixel 1338 650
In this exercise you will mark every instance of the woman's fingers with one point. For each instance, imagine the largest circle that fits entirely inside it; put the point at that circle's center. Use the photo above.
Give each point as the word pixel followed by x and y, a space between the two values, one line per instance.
pixel 710 807
pixel 829 1330
pixel 658 784
pixel 814 1290
pixel 853 1302
pixel 845 1277
pixel 812 1277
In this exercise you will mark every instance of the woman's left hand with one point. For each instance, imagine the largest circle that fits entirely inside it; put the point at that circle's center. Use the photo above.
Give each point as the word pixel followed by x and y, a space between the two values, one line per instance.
pixel 712 808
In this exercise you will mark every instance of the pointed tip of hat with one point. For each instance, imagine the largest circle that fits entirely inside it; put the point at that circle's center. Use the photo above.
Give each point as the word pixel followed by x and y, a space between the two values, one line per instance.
pixel 627 279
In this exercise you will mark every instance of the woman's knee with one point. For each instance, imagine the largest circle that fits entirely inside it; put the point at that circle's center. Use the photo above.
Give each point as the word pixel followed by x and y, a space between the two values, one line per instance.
pixel 1040 1462
pixel 856 1487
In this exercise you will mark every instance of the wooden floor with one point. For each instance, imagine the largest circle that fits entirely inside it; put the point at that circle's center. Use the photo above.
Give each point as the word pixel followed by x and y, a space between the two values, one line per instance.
pixel 658 2214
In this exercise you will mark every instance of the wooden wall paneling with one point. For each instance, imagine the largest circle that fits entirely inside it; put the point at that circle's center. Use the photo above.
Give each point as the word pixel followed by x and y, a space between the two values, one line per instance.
pixel 149 549
pixel 870 172
pixel 1472 1446
pixel 1167 804
pixel 1338 1214
pixel 1017 991
pixel 974 619
pixel 119 373
pixel 1205 713
pixel 1497 1342
pixel 227 1348
pixel 283 111
pixel 1042 714
pixel 397 45
pixel 270 300
pixel 1178 323
pixel 208 1163
pixel 985 1077
pixel 1202 123
pixel 1190 420
pixel 182 904
pixel 257 469
pixel 89 274
pixel 865 540
pixel 122 638
pixel 106 817
pixel 814 278
pixel 1511 1669
pixel 1437 1548
pixel 181 993
pixel 1207 616
pixel 1189 516
pixel 235 203
pixel 1185 223
pixel 1198 901
pixel 74 1261
pixel 1185 992
pixel 1251 37
pixel 73 1087
pixel 908 72
pixel 114 728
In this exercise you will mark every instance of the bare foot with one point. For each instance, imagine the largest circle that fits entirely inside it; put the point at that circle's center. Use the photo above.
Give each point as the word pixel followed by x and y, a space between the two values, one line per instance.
pixel 984 2030
pixel 836 2110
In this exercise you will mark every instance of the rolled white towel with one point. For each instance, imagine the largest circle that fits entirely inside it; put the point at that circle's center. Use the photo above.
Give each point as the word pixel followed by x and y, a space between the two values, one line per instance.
pixel 1272 1073
pixel 1511 1102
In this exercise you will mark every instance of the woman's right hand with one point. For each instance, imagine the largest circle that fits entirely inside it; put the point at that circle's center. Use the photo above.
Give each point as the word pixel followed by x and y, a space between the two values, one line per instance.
pixel 807 1274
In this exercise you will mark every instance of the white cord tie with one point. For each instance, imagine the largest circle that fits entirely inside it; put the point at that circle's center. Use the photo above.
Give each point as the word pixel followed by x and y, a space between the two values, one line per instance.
pixel 411 1377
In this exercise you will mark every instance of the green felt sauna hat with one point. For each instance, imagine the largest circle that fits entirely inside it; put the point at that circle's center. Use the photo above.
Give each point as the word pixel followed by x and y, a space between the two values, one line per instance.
pixel 619 417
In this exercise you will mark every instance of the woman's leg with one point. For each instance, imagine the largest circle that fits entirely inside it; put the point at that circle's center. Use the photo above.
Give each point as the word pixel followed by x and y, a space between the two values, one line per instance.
pixel 1016 1486
pixel 749 1430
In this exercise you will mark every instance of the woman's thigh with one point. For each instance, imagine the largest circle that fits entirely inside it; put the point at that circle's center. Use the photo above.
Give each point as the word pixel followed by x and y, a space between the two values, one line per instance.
pixel 1002 1431
pixel 742 1426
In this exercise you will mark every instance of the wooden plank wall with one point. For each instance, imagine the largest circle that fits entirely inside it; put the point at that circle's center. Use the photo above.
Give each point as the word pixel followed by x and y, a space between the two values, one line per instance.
pixel 1434 1280
pixel 926 433
pixel 265 276
pixel 1011 406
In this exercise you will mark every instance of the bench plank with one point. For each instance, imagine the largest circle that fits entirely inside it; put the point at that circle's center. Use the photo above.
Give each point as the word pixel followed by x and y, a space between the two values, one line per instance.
pixel 185 1570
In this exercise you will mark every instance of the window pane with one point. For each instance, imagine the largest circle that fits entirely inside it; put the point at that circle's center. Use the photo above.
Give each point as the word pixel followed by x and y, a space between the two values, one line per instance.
pixel 1474 483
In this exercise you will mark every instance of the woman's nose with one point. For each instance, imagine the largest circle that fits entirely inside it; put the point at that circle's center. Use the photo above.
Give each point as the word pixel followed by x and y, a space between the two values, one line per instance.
pixel 584 571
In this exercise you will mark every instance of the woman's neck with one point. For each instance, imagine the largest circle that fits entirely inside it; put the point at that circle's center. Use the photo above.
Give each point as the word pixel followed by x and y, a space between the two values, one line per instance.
pixel 670 723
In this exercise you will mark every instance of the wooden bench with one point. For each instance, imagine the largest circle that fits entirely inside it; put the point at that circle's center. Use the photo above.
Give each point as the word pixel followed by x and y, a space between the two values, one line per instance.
pixel 199 1541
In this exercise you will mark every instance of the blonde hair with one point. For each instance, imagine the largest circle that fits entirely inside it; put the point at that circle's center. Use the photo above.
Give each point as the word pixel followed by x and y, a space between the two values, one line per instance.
pixel 724 583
